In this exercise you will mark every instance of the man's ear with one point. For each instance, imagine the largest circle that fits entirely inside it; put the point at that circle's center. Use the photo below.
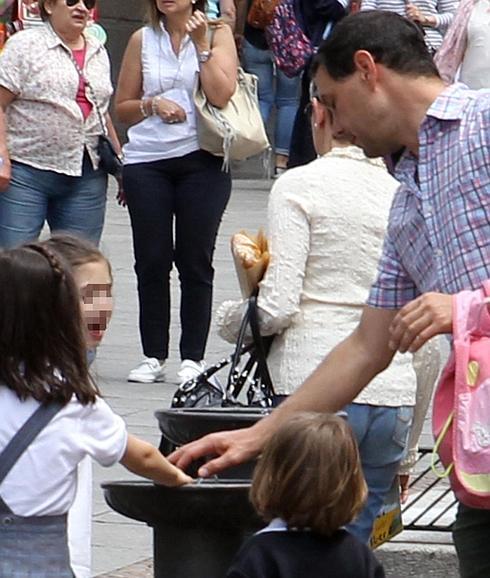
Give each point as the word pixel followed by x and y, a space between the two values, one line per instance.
pixel 366 66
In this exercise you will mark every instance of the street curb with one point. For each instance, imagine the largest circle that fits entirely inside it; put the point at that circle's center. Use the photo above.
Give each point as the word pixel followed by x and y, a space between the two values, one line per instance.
pixel 409 560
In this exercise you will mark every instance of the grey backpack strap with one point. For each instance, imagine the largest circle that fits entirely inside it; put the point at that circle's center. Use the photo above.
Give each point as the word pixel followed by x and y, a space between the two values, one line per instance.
pixel 26 434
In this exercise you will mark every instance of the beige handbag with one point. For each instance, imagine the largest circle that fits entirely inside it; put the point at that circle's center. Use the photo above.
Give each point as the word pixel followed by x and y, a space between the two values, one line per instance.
pixel 236 131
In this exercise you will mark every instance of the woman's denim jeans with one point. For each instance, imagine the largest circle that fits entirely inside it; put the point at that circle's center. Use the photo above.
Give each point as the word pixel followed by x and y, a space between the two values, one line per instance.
pixel 382 434
pixel 283 93
pixel 70 204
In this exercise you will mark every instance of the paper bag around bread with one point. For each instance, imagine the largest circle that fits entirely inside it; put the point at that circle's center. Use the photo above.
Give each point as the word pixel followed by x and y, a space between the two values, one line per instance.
pixel 251 258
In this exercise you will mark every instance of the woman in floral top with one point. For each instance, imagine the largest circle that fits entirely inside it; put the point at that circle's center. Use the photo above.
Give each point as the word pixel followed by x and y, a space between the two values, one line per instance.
pixel 49 127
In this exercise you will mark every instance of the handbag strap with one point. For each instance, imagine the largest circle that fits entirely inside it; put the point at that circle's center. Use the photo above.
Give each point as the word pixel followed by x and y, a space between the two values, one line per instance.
pixel 261 349
pixel 25 435
pixel 258 354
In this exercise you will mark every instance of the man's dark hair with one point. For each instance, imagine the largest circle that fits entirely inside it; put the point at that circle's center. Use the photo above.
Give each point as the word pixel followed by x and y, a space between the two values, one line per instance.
pixel 392 40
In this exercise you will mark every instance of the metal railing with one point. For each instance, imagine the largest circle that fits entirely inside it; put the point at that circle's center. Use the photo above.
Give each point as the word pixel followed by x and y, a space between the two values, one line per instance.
pixel 431 505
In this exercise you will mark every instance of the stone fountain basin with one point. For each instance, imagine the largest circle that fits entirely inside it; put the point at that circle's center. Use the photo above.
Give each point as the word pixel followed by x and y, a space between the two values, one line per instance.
pixel 184 425
pixel 208 503
pixel 197 529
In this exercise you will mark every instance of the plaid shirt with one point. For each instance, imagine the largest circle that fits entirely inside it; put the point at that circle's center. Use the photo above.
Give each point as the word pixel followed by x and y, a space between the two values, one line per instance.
pixel 438 236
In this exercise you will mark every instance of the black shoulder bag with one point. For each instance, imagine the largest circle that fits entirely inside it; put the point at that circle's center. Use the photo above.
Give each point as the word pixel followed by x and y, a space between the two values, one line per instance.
pixel 110 162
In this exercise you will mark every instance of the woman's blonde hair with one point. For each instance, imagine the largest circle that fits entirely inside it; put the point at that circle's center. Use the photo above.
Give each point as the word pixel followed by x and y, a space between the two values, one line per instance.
pixel 310 474
pixel 154 16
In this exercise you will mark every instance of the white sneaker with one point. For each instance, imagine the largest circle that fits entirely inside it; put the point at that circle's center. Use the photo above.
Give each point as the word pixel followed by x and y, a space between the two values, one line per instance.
pixel 190 369
pixel 148 371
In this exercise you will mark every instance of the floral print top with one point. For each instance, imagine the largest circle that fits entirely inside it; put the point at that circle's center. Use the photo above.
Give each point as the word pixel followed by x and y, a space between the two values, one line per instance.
pixel 45 126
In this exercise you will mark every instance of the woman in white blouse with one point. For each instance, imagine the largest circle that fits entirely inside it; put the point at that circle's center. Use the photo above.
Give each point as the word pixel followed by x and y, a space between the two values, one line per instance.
pixel 168 180
pixel 326 223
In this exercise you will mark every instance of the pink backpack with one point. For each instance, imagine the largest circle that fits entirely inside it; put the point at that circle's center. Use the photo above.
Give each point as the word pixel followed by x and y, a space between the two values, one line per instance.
pixel 461 410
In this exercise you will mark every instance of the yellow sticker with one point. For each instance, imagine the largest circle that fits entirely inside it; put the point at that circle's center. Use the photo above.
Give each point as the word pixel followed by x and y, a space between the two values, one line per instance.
pixel 472 373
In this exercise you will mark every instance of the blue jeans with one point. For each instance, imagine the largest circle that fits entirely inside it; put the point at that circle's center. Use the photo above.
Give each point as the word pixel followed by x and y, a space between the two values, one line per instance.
pixel 283 94
pixel 382 434
pixel 70 204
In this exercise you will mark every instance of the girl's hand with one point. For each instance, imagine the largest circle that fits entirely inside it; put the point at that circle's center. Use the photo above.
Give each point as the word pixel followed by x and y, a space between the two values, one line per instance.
pixel 197 28
pixel 181 479
pixel 168 110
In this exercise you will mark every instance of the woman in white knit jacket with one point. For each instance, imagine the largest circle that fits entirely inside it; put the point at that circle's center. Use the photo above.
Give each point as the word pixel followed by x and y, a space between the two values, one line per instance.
pixel 326 223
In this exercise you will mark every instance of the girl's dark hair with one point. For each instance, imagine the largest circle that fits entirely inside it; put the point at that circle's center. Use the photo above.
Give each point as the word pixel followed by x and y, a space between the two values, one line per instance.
pixel 154 16
pixel 42 346
pixel 310 474
pixel 75 250
pixel 391 39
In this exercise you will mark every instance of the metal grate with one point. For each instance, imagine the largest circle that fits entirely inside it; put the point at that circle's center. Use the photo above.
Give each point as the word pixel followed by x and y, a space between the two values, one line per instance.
pixel 431 505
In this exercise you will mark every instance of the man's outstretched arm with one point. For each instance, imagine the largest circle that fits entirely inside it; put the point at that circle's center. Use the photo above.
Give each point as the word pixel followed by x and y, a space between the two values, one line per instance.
pixel 348 368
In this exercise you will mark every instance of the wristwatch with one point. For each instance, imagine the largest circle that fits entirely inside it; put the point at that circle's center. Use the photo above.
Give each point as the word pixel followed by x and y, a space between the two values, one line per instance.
pixel 204 56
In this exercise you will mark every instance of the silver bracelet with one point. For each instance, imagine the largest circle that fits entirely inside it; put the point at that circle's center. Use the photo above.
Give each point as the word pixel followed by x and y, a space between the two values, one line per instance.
pixel 143 109
pixel 154 104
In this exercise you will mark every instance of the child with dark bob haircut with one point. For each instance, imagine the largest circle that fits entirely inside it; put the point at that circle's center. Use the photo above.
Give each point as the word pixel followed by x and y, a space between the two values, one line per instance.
pixel 308 484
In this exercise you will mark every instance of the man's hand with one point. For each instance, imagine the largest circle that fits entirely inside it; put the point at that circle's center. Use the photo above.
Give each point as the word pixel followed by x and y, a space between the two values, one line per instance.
pixel 428 315
pixel 233 448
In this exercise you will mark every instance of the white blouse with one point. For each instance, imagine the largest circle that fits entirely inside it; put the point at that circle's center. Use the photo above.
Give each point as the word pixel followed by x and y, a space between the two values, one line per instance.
pixel 326 226
pixel 173 77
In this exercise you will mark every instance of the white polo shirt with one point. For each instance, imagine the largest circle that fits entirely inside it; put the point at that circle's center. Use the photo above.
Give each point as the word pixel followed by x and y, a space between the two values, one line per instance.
pixel 44 479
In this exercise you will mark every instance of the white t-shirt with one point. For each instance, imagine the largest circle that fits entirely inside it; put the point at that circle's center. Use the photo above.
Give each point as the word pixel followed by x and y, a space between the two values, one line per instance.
pixel 44 479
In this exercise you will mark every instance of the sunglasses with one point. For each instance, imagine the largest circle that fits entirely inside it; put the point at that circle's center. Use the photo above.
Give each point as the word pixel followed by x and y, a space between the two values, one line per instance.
pixel 89 4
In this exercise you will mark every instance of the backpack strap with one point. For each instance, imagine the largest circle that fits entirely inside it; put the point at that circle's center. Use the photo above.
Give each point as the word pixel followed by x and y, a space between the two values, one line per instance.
pixel 25 435
pixel 435 451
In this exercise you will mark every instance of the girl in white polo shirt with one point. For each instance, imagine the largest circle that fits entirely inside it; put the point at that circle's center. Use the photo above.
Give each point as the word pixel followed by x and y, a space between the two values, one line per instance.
pixel 43 367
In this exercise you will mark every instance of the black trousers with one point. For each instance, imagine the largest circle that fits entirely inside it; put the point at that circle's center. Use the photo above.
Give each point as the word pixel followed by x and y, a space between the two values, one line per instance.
pixel 176 207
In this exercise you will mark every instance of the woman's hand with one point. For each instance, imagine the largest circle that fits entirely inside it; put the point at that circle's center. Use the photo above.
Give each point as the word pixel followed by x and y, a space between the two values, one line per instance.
pixel 120 195
pixel 415 14
pixel 404 487
pixel 168 110
pixel 5 173
pixel 197 28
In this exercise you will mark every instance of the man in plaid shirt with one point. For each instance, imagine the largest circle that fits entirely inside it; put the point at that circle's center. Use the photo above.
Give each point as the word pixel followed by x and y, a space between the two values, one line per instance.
pixel 378 82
